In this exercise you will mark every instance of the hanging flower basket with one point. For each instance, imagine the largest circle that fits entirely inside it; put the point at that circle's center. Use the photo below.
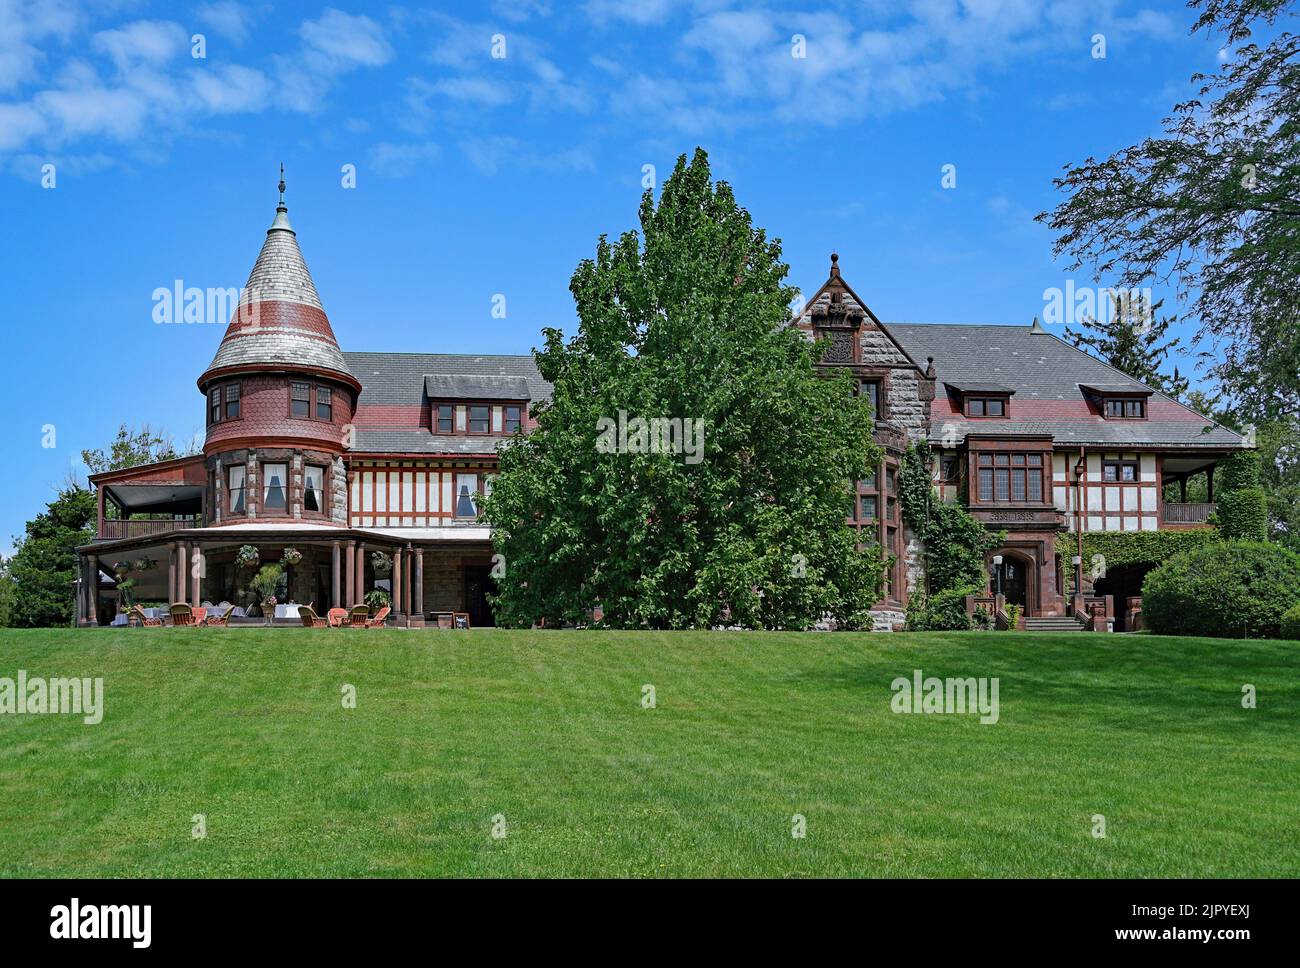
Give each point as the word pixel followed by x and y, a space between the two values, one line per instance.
pixel 382 563
pixel 120 568
pixel 291 556
pixel 247 557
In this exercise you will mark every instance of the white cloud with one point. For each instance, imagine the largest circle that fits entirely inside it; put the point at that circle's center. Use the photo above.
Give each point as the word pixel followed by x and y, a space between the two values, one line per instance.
pixel 474 90
pixel 350 41
pixel 19 123
pixel 232 89
pixel 145 42
pixel 229 19
pixel 401 160
pixel 490 155
pixel 24 25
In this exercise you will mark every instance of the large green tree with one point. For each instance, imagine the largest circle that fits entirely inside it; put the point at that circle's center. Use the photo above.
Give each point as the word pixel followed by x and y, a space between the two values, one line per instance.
pixel 687 320
pixel 44 564
pixel 1212 206
pixel 131 448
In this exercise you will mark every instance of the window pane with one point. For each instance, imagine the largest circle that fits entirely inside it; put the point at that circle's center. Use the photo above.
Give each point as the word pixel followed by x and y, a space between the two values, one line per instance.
pixel 1130 472
pixel 275 490
pixel 994 408
pixel 1002 460
pixel 1003 485
pixel 300 397
pixel 1035 486
pixel 514 416
pixel 1018 460
pixel 215 396
pixel 235 477
pixel 313 483
pixel 1035 460
pixel 1018 485
pixel 466 495
pixel 444 418
pixel 868 507
pixel 232 401
pixel 976 408
pixel 986 484
pixel 870 482
pixel 986 460
pixel 324 403
pixel 478 420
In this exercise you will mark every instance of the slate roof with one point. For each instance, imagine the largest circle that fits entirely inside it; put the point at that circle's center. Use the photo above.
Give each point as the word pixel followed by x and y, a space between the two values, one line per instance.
pixel 419 441
pixel 473 386
pixel 1046 372
pixel 398 379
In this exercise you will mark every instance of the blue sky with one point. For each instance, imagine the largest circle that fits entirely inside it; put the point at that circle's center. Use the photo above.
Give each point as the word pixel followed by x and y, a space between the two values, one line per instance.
pixel 478 175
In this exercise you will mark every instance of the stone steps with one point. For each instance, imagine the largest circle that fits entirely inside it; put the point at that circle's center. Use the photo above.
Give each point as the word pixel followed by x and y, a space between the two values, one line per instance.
pixel 1052 623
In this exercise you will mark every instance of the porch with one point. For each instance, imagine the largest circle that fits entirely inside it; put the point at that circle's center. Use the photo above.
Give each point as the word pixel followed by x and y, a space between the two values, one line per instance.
pixel 420 580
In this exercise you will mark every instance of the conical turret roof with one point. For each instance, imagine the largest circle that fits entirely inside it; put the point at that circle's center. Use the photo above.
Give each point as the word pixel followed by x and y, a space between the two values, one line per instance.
pixel 280 321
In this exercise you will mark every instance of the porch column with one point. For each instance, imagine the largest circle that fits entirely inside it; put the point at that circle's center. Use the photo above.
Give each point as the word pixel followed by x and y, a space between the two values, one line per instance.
pixel 1182 489
pixel 171 573
pixel 1209 483
pixel 350 570
pixel 407 580
pixel 361 573
pixel 93 615
pixel 335 573
pixel 196 574
pixel 182 572
pixel 419 583
pixel 397 581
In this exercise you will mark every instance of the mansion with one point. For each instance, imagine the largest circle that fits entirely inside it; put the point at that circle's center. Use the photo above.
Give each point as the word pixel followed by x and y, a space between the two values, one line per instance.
pixel 371 466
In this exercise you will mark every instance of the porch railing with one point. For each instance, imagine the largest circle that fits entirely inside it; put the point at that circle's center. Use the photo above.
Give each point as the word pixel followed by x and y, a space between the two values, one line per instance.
pixel 1188 513
pixel 112 530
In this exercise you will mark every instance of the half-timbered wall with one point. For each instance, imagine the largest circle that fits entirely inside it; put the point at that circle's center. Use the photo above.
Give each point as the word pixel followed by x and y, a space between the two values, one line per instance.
pixel 415 495
pixel 1118 504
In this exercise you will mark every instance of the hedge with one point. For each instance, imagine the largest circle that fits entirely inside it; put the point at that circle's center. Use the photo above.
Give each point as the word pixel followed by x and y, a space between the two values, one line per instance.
pixel 1291 623
pixel 1229 589
pixel 1120 548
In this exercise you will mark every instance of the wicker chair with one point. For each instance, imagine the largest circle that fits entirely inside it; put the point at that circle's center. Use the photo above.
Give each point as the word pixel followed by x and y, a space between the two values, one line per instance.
pixel 137 612
pixel 357 617
pixel 380 618
pixel 336 617
pixel 218 621
pixel 309 617
pixel 182 615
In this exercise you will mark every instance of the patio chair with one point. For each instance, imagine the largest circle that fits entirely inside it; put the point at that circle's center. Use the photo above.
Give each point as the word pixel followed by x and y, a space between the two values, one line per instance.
pixel 380 618
pixel 218 620
pixel 336 617
pixel 137 613
pixel 200 615
pixel 182 615
pixel 309 618
pixel 357 617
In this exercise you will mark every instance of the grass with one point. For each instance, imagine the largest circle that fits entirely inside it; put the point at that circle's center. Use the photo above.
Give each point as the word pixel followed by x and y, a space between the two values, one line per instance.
pixel 247 727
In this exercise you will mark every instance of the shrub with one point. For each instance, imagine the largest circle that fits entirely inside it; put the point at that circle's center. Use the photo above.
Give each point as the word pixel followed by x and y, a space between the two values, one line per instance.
pixel 1291 622
pixel 1243 514
pixel 1228 589
pixel 943 611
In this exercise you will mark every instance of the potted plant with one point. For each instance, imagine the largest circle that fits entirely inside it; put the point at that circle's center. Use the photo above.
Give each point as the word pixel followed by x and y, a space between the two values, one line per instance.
pixel 247 557
pixel 263 585
pixel 291 556
pixel 381 563
pixel 125 594
pixel 377 599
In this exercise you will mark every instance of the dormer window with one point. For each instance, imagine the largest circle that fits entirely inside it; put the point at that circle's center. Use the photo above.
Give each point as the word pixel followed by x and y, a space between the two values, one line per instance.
pixel 444 418
pixel 1130 409
pixel 986 406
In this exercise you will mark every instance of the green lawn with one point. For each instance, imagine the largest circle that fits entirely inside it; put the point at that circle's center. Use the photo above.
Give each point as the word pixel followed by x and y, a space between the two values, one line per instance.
pixel 547 728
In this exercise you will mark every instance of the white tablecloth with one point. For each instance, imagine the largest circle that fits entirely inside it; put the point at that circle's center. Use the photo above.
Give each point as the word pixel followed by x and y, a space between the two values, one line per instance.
pixel 287 611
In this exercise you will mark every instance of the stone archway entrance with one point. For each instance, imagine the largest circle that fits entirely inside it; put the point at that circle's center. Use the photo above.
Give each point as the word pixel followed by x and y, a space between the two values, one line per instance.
pixel 1017 575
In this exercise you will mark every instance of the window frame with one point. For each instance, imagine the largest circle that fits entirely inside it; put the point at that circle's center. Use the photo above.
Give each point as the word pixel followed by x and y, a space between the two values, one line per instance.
pixel 304 400
pixel 469 419
pixel 1123 405
pixel 318 390
pixel 264 470
pixel 242 489
pixel 451 419
pixel 321 508
pixel 233 395
pixel 1118 465
pixel 1011 477
pixel 983 401
pixel 506 419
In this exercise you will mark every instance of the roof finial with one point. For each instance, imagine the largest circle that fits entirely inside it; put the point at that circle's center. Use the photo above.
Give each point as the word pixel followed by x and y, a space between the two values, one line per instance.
pixel 282 184
pixel 835 263
pixel 1037 328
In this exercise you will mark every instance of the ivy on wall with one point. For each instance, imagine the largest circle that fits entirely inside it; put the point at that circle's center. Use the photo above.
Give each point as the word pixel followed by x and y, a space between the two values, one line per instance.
pixel 1116 549
pixel 955 541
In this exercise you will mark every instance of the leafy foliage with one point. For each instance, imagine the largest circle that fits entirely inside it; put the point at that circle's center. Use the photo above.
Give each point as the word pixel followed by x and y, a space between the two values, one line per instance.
pixel 687 320
pixel 1228 589
pixel 266 581
pixel 132 447
pixel 1118 549
pixel 1212 206
pixel 1241 511
pixel 44 566
pixel 1133 339
pixel 1291 622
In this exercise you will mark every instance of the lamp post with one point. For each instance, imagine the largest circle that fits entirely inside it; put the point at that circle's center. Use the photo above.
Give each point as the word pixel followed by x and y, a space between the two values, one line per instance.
pixel 997 570
pixel 1078 575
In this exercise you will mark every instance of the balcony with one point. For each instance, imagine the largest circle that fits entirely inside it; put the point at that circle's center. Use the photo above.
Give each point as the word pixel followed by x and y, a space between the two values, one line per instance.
pixel 1187 514
pixel 111 529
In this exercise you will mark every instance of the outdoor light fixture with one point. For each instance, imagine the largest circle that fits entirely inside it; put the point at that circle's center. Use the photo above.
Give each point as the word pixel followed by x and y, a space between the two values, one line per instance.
pixel 1078 574
pixel 997 570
